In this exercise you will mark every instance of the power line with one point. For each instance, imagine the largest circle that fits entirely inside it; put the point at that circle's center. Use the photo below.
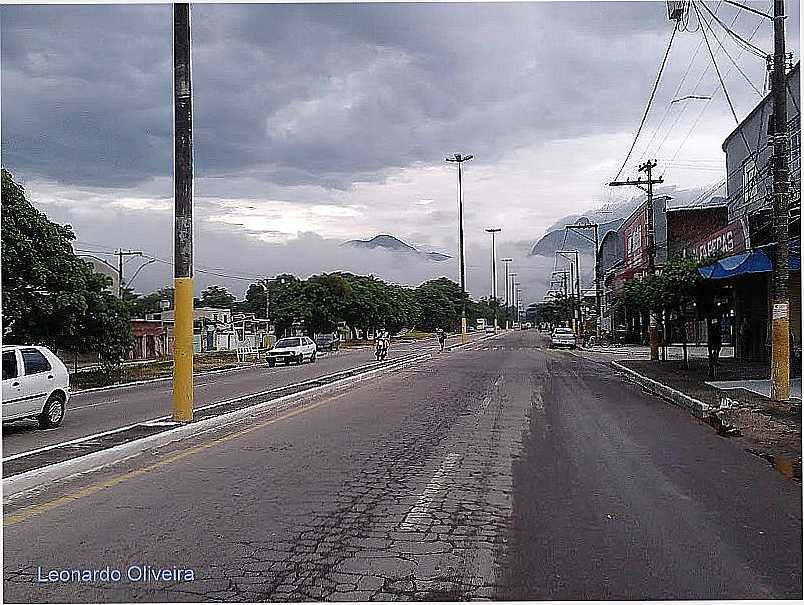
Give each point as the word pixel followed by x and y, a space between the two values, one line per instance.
pixel 733 62
pixel 694 90
pixel 706 105
pixel 650 101
pixel 678 88
pixel 748 46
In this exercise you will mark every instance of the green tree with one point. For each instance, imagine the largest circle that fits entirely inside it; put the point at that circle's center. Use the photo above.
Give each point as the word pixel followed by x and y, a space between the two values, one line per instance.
pixel 217 297
pixel 437 308
pixel 50 296
pixel 329 296
pixel 140 306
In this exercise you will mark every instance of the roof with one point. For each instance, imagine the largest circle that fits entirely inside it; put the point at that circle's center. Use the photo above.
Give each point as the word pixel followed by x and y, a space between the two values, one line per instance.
pixel 767 99
pixel 688 208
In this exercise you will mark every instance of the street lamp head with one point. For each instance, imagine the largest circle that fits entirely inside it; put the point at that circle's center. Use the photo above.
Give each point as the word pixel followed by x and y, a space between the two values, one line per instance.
pixel 493 230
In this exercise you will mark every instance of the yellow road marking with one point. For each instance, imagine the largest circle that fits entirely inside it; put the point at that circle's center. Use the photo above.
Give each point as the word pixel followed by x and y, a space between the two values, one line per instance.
pixel 14 518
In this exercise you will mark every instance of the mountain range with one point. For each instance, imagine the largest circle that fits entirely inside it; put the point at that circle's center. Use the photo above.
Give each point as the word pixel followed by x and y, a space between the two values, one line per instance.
pixel 389 242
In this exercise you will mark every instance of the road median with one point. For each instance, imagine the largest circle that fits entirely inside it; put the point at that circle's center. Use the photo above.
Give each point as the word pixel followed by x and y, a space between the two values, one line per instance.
pixel 28 470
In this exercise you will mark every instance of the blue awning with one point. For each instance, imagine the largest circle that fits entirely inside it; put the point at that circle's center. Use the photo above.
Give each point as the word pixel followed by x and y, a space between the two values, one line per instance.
pixel 753 261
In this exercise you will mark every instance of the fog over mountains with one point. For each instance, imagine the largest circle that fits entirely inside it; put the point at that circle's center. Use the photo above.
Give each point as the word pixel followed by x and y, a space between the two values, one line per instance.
pixel 389 242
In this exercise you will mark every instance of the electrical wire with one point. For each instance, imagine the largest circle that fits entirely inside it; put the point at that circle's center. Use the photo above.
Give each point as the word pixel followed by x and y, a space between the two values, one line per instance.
pixel 706 105
pixel 746 43
pixel 650 101
pixel 678 88
pixel 733 62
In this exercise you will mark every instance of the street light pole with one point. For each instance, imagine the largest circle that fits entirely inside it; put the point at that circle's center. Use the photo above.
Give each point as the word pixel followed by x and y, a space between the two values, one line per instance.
pixel 494 272
pixel 183 217
pixel 513 293
pixel 507 304
pixel 460 159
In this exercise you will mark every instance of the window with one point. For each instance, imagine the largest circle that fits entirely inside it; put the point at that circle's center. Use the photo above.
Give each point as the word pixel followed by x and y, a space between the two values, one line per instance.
pixel 34 361
pixel 749 181
pixel 9 365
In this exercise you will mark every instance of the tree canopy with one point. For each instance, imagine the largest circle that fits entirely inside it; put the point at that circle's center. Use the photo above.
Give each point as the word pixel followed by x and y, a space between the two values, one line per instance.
pixel 51 296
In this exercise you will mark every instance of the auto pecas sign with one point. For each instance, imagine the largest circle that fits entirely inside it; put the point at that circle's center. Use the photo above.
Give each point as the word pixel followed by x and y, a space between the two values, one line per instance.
pixel 730 239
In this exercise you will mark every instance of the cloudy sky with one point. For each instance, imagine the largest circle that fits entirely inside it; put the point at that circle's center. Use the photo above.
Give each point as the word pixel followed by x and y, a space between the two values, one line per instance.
pixel 315 124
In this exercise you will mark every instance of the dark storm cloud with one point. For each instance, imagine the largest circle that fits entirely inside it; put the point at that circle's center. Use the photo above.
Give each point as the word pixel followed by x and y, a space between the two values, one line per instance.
pixel 312 94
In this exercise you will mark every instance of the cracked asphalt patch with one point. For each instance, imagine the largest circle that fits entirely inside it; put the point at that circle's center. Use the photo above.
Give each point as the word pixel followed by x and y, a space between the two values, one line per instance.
pixel 316 507
pixel 517 473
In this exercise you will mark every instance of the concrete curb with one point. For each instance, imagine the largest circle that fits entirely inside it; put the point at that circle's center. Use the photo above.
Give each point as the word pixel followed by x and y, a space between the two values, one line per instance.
pixel 18 485
pixel 696 407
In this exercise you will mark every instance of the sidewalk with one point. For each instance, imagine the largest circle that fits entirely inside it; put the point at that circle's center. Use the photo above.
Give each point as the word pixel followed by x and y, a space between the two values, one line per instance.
pixel 737 407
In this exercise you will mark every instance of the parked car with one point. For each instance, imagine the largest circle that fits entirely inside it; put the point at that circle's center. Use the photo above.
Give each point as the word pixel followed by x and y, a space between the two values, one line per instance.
pixel 327 342
pixel 36 384
pixel 562 337
pixel 489 329
pixel 293 349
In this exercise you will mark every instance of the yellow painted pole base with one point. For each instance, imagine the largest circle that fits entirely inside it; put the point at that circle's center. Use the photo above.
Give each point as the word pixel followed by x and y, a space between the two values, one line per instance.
pixel 464 336
pixel 183 350
pixel 780 359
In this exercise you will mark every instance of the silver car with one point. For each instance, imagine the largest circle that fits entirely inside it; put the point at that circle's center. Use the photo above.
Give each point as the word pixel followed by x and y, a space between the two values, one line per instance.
pixel 36 384
pixel 562 337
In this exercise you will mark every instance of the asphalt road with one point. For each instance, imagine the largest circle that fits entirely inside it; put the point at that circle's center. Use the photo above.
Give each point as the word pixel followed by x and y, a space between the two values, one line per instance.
pixel 90 413
pixel 501 471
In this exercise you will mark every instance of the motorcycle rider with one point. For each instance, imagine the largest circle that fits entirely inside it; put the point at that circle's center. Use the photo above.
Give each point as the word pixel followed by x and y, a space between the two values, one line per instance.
pixel 442 338
pixel 382 343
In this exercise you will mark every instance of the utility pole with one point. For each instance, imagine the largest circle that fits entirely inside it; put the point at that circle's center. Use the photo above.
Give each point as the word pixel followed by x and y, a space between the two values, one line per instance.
pixel 120 253
pixel 494 273
pixel 460 159
pixel 647 168
pixel 579 228
pixel 780 319
pixel 505 261
pixel 183 217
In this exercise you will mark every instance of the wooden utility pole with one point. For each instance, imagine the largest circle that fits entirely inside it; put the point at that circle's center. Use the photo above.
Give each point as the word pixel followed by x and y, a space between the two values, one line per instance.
pixel 183 217
pixel 780 318
pixel 647 168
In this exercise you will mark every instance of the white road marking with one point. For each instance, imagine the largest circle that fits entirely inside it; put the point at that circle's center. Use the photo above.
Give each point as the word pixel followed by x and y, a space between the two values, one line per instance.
pixel 421 512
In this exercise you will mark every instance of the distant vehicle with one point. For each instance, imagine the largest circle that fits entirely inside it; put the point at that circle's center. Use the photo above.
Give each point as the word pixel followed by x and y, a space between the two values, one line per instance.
pixel 528 325
pixel 294 349
pixel 562 337
pixel 327 342
pixel 481 323
pixel 36 384
pixel 471 329
pixel 489 329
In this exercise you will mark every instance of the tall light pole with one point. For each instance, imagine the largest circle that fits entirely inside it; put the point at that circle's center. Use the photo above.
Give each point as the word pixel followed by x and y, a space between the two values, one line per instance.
pixel 513 287
pixel 506 261
pixel 494 232
pixel 460 159
pixel 575 284
pixel 183 217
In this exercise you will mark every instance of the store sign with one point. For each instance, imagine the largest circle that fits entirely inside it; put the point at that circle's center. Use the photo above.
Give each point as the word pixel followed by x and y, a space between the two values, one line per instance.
pixel 730 239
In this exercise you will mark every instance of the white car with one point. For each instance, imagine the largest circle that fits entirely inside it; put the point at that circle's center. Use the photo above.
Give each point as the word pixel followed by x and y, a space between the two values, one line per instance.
pixel 489 329
pixel 293 349
pixel 562 337
pixel 36 384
